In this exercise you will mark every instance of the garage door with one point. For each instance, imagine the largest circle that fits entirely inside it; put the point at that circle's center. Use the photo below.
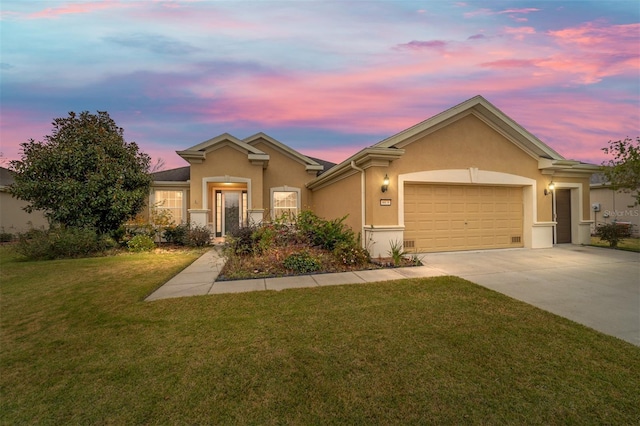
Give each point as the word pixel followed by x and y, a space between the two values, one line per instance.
pixel 458 217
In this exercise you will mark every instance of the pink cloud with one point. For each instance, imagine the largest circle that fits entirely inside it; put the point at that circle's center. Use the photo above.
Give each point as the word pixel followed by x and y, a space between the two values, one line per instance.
pixel 510 63
pixel 595 51
pixel 519 33
pixel 75 8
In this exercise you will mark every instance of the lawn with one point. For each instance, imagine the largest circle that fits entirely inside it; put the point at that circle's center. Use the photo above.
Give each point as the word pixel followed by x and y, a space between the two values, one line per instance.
pixel 630 244
pixel 80 346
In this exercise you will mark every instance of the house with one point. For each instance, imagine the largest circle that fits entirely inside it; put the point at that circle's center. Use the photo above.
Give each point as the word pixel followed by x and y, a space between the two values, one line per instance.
pixel 468 178
pixel 13 218
pixel 608 205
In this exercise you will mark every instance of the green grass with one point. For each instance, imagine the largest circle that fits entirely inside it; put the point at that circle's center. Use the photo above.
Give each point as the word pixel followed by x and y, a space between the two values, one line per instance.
pixel 629 244
pixel 79 346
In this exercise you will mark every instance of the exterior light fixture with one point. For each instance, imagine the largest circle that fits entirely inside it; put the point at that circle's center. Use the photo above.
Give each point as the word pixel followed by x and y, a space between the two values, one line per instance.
pixel 385 183
pixel 550 189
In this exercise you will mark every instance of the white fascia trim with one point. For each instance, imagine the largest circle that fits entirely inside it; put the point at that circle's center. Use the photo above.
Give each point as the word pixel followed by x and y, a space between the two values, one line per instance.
pixel 170 183
pixel 224 179
pixel 310 164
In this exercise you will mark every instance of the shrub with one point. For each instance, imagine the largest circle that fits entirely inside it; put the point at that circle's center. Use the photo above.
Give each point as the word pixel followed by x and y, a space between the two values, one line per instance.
pixel 613 233
pixel 326 234
pixel 199 236
pixel 177 234
pixel 56 243
pixel 396 252
pixel 240 241
pixel 264 238
pixel 6 237
pixel 141 243
pixel 302 262
pixel 351 254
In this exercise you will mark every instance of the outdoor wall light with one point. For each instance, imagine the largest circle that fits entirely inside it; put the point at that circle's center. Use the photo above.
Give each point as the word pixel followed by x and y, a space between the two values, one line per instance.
pixel 551 187
pixel 385 183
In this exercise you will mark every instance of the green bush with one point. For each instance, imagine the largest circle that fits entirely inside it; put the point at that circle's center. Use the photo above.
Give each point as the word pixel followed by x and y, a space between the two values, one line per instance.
pixel 302 262
pixel 57 243
pixel 141 243
pixel 6 237
pixel 326 234
pixel 264 238
pixel 177 234
pixel 613 233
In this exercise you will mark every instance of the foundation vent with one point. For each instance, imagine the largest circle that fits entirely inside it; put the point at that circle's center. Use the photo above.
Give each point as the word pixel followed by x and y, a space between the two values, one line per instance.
pixel 409 244
pixel 515 240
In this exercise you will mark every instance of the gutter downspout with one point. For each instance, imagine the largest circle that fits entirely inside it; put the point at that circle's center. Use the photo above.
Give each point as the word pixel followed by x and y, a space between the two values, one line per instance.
pixel 362 200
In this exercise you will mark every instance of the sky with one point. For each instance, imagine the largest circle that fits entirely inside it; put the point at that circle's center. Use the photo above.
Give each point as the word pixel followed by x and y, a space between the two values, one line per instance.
pixel 326 78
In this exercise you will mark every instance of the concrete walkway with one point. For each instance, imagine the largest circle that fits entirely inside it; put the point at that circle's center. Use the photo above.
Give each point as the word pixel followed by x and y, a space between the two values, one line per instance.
pixel 597 287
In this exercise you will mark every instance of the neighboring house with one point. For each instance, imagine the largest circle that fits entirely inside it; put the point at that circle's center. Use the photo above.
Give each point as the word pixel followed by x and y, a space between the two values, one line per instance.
pixel 13 219
pixel 609 206
pixel 468 178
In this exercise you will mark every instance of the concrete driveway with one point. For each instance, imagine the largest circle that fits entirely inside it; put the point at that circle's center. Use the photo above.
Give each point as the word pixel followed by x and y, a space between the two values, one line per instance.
pixel 597 287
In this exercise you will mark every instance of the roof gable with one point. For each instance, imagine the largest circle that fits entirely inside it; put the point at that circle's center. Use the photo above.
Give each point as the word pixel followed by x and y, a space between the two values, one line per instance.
pixel 310 164
pixel 198 153
pixel 485 111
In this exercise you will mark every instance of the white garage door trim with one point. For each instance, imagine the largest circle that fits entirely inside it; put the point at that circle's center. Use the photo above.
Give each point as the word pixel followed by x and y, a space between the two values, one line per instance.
pixel 535 234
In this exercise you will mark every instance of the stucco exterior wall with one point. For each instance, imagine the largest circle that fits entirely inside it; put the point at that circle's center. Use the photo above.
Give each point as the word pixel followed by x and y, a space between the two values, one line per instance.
pixel 15 220
pixel 284 171
pixel 341 198
pixel 470 143
pixel 222 162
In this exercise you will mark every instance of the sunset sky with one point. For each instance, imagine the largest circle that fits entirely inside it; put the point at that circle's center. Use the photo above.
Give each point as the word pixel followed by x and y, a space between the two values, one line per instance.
pixel 326 78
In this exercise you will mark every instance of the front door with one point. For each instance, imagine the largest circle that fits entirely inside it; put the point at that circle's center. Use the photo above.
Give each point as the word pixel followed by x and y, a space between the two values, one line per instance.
pixel 231 211
pixel 563 216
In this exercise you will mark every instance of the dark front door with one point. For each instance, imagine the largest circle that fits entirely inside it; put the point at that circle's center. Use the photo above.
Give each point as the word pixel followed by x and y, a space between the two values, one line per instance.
pixel 563 216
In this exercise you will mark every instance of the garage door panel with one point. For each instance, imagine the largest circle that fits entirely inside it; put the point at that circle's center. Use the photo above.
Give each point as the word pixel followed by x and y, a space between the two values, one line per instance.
pixel 459 217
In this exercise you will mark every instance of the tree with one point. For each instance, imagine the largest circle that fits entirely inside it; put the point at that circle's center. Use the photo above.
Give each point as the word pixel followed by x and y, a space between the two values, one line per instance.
pixel 84 174
pixel 623 171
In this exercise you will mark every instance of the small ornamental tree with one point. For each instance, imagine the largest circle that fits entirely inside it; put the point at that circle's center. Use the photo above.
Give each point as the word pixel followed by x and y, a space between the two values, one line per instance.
pixel 84 174
pixel 623 171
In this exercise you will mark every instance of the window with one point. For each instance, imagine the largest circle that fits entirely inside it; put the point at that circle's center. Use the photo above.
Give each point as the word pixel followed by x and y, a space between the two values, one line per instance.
pixel 171 201
pixel 285 201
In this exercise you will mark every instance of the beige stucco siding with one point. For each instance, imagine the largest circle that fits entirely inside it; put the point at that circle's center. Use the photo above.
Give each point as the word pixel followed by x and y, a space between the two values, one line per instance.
pixel 341 198
pixel 221 162
pixel 284 171
pixel 469 143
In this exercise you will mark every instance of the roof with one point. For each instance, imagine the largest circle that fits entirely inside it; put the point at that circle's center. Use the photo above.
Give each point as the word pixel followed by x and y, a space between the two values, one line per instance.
pixel 325 164
pixel 6 177
pixel 198 153
pixel 181 174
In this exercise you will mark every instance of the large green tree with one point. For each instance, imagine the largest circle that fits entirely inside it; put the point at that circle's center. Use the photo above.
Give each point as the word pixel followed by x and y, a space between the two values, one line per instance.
pixel 84 174
pixel 623 170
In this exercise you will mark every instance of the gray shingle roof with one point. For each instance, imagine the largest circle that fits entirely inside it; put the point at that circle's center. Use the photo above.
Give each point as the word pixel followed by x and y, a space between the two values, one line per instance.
pixel 181 174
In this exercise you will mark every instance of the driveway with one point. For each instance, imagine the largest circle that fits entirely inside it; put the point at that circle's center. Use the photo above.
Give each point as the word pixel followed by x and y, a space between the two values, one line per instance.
pixel 597 287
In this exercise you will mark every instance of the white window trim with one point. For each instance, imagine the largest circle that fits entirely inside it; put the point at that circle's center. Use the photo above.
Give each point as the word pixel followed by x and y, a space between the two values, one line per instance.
pixel 283 189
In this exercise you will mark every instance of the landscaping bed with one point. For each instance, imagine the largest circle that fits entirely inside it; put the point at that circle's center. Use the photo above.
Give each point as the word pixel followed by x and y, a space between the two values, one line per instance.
pixel 299 245
pixel 271 264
